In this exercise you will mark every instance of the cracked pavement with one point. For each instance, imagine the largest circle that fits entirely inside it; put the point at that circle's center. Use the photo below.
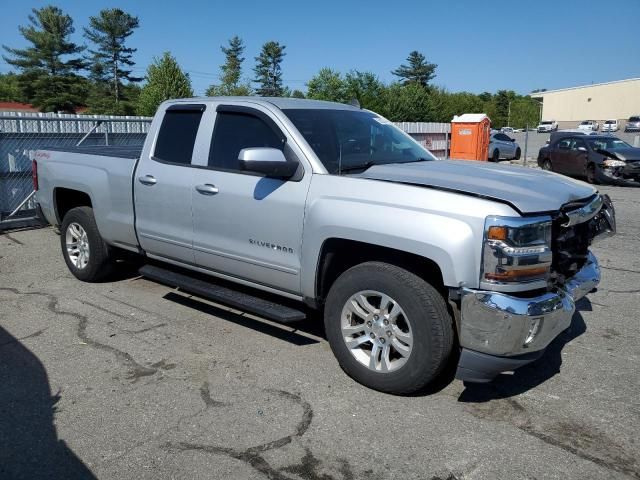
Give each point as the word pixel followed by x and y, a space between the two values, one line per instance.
pixel 131 379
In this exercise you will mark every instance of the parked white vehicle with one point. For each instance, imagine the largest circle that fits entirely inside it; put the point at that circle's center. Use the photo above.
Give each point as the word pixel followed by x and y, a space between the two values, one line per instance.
pixel 501 146
pixel 548 126
pixel 589 125
pixel 507 130
pixel 610 126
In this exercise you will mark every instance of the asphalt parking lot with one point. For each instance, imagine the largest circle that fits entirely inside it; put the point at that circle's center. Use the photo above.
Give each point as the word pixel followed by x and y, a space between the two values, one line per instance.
pixel 131 379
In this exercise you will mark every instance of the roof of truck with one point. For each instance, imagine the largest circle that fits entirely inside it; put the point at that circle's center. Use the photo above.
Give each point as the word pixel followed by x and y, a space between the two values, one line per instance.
pixel 280 102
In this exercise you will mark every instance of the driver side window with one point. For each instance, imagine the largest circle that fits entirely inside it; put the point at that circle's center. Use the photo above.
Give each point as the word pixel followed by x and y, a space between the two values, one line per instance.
pixel 564 144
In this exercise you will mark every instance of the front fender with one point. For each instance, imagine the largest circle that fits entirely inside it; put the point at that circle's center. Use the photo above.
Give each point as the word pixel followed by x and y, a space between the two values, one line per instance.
pixel 444 227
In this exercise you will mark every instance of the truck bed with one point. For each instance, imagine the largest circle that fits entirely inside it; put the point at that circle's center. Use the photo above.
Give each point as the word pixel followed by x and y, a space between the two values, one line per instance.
pixel 120 151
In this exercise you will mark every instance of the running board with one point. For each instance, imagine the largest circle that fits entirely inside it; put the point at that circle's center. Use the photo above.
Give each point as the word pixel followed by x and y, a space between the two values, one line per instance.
pixel 241 301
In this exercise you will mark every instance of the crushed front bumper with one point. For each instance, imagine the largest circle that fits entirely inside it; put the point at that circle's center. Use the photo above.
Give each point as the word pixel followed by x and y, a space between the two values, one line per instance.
pixel 500 332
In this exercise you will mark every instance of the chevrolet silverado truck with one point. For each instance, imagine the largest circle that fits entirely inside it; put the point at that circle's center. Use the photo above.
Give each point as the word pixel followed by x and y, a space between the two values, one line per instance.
pixel 276 206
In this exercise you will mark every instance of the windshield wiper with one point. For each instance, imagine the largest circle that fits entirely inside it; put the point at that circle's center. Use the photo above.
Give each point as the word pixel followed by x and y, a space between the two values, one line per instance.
pixel 359 166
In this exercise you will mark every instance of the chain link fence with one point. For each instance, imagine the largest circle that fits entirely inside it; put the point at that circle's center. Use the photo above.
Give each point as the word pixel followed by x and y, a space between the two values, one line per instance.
pixel 22 134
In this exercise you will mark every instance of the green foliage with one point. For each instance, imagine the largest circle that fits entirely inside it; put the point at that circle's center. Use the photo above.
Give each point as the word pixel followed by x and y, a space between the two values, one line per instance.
pixel 367 88
pixel 268 70
pixel 328 85
pixel 10 90
pixel 297 94
pixel 409 103
pixel 49 77
pixel 111 61
pixel 231 72
pixel 165 80
pixel 419 71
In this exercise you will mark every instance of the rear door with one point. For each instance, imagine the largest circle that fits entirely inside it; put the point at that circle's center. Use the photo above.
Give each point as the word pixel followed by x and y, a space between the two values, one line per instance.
pixel 163 184
pixel 559 156
pixel 245 225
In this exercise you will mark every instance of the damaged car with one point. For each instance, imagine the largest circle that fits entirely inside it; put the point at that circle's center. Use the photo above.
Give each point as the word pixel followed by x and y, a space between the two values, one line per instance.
pixel 597 158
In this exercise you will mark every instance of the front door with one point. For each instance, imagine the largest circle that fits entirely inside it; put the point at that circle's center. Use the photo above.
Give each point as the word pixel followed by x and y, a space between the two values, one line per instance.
pixel 577 158
pixel 162 186
pixel 245 225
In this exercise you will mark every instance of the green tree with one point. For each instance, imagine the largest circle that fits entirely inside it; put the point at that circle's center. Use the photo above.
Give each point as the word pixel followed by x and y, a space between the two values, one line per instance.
pixel 297 94
pixel 409 103
pixel 328 85
pixel 268 70
pixel 418 70
pixel 10 90
pixel 231 71
pixel 111 62
pixel 165 80
pixel 50 65
pixel 367 88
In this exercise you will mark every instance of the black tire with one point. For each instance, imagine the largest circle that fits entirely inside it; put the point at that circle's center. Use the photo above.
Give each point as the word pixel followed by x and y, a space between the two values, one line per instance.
pixel 100 262
pixel 496 156
pixel 518 154
pixel 426 312
pixel 591 174
pixel 546 165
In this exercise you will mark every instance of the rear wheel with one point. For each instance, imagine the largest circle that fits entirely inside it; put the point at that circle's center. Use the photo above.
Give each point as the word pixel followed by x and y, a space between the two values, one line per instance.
pixel 496 155
pixel 88 257
pixel 389 329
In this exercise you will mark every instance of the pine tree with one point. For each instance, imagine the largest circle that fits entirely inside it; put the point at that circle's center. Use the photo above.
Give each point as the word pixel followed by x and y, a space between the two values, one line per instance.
pixel 418 71
pixel 231 71
pixel 165 80
pixel 49 77
pixel 268 70
pixel 111 61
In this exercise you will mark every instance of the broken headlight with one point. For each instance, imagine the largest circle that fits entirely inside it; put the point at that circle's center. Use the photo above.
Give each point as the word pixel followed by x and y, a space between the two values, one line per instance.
pixel 516 254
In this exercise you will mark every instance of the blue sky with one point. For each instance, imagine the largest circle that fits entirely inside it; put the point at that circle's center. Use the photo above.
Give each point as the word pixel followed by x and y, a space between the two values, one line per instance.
pixel 478 45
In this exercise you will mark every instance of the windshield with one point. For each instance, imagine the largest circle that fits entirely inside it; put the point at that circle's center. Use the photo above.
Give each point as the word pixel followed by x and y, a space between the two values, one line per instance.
pixel 546 123
pixel 634 119
pixel 350 139
pixel 610 122
pixel 607 143
pixel 586 123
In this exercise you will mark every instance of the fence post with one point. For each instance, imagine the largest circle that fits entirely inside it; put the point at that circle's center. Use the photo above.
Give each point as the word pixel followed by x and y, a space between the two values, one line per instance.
pixel 526 145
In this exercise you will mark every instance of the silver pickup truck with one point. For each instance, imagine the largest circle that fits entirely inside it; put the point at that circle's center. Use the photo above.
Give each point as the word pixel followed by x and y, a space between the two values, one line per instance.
pixel 415 262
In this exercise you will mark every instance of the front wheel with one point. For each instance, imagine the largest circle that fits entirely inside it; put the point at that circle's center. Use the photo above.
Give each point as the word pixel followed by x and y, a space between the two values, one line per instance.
pixel 86 254
pixel 518 153
pixel 389 329
pixel 546 165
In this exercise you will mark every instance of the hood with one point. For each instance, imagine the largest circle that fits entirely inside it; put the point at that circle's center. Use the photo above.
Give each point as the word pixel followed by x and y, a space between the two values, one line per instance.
pixel 526 189
pixel 629 153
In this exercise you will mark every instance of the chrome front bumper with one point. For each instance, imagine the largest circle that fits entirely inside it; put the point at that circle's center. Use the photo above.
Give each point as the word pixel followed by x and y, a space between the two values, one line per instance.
pixel 503 325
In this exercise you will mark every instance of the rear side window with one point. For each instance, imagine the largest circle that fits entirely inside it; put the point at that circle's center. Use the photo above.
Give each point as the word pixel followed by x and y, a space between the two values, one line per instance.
pixel 177 135
pixel 564 144
pixel 235 131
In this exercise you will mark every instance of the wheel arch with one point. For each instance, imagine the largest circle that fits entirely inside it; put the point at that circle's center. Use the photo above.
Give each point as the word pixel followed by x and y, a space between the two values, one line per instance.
pixel 337 255
pixel 64 199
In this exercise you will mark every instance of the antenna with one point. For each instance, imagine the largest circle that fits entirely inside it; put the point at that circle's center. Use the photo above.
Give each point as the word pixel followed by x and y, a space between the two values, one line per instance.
pixel 355 103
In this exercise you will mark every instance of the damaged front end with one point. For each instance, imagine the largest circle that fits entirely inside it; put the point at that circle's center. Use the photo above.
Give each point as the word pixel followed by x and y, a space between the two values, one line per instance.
pixel 617 169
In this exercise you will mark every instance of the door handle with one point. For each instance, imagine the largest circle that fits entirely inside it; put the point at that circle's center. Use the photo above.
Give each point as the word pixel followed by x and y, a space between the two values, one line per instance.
pixel 147 180
pixel 207 189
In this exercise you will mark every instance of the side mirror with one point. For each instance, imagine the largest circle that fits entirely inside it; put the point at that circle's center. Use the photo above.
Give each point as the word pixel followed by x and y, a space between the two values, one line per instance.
pixel 582 149
pixel 512 139
pixel 270 162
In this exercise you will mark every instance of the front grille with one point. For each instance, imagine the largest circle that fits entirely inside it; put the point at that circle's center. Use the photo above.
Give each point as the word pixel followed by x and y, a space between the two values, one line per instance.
pixel 570 247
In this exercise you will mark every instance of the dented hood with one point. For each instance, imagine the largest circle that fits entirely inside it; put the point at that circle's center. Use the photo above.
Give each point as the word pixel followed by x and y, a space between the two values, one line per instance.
pixel 526 189
pixel 628 153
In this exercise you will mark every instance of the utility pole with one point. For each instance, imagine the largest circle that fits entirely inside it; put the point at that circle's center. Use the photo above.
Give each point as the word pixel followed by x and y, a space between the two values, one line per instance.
pixel 509 115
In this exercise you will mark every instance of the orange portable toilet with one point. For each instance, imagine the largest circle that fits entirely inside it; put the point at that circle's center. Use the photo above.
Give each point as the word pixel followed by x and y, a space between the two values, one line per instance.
pixel 470 137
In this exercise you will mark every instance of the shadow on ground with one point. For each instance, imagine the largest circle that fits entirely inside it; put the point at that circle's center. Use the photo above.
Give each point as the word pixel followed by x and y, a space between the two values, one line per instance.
pixel 534 374
pixel 29 446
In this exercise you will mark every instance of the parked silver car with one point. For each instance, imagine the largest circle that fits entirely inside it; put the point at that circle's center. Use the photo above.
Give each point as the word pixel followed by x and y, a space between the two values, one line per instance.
pixel 503 147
